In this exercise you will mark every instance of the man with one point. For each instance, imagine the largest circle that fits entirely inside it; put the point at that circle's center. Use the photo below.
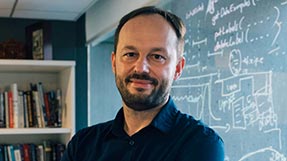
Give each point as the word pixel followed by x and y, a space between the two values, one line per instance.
pixel 147 58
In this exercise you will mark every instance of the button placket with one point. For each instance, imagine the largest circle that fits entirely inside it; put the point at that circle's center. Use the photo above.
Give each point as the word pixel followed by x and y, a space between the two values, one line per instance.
pixel 131 142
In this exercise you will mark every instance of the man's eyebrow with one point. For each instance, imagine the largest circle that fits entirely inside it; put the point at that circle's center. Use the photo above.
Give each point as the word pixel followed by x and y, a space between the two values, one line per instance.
pixel 128 47
pixel 155 49
pixel 158 49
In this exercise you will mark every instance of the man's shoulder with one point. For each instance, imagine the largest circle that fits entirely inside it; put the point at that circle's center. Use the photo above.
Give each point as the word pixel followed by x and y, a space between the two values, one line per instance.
pixel 197 127
pixel 199 137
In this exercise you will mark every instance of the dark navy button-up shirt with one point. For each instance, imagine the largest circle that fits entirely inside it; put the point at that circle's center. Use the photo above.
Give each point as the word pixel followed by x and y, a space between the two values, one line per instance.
pixel 171 136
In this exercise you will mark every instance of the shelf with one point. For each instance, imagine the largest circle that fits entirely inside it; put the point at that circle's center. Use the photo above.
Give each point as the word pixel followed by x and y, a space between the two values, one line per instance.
pixel 34 65
pixel 27 131
pixel 53 74
pixel 34 135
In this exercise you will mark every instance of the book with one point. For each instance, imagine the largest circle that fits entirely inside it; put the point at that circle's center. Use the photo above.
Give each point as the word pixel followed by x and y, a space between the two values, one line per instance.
pixel 30 110
pixel 11 154
pixel 53 108
pixel 37 110
pixel 2 157
pixel 10 110
pixel 14 90
pixel 47 150
pixel 59 107
pixel 33 154
pixel 40 153
pixel 54 153
pixel 6 157
pixel 59 149
pixel 17 152
pixel 21 147
pixel 48 109
pixel 25 110
pixel 26 152
pixel 6 109
pixel 2 110
pixel 21 120
pixel 42 103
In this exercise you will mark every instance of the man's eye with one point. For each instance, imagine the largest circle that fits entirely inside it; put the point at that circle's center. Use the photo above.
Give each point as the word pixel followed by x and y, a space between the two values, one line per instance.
pixel 131 54
pixel 158 58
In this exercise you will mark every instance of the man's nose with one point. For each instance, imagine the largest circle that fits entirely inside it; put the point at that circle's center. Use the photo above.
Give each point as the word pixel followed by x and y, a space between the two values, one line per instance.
pixel 142 66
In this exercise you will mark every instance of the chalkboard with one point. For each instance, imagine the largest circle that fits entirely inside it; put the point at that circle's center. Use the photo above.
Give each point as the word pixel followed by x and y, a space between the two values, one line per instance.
pixel 235 78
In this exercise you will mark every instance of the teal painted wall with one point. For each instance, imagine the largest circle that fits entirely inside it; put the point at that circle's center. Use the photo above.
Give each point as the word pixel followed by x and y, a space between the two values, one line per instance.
pixel 68 41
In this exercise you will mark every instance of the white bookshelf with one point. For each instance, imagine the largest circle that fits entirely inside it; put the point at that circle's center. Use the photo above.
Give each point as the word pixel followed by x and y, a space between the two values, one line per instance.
pixel 54 75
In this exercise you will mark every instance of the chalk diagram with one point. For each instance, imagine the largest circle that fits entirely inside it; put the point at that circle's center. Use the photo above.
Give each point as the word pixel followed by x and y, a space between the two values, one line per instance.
pixel 232 95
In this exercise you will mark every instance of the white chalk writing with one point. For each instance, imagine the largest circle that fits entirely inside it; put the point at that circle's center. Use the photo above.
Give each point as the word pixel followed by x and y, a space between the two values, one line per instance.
pixel 235 52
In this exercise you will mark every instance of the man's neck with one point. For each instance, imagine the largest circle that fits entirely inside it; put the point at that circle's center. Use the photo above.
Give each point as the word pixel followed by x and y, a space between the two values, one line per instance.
pixel 137 120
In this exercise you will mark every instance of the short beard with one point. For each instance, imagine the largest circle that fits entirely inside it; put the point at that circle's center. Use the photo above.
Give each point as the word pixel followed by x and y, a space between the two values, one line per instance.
pixel 141 102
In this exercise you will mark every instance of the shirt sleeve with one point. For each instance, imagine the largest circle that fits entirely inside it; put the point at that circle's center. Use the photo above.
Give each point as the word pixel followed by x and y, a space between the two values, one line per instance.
pixel 210 151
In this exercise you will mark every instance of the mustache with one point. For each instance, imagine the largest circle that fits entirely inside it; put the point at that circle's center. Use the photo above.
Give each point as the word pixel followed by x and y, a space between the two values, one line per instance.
pixel 142 76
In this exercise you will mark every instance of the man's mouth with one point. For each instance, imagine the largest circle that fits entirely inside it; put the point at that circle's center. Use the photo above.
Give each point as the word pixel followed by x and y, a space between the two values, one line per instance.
pixel 140 83
pixel 141 79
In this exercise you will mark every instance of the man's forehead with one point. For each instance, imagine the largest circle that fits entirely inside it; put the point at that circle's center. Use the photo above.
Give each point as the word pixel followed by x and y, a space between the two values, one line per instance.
pixel 148 21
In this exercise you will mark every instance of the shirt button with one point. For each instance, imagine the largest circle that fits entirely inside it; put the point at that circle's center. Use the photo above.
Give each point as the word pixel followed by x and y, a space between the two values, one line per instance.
pixel 131 142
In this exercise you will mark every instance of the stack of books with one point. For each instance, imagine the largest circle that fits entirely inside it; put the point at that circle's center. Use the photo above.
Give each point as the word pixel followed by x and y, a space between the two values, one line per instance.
pixel 31 108
pixel 47 151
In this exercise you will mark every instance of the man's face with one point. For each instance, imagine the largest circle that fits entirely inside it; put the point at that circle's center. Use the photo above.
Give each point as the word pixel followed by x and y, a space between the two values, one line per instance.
pixel 146 63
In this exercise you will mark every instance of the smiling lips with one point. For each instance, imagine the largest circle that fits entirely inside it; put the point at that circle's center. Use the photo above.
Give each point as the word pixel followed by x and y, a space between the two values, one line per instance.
pixel 141 83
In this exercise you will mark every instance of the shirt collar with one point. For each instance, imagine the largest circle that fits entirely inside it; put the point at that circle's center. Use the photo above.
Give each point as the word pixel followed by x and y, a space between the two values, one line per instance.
pixel 163 121
pixel 118 124
pixel 166 118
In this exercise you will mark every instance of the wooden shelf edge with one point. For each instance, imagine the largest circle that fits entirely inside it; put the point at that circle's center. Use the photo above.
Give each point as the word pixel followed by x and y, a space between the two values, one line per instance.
pixel 16 62
pixel 17 131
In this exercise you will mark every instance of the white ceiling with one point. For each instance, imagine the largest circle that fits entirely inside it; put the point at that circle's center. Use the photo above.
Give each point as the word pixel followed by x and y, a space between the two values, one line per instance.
pixel 45 9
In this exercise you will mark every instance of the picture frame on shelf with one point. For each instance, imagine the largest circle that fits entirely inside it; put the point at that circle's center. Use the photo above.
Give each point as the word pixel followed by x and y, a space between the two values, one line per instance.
pixel 12 49
pixel 38 41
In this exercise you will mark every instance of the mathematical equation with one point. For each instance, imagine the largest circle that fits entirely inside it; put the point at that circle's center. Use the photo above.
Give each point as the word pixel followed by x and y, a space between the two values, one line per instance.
pixel 234 51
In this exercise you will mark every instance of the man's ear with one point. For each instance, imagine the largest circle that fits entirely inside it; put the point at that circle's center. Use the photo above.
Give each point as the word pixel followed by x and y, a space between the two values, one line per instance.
pixel 179 68
pixel 113 60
